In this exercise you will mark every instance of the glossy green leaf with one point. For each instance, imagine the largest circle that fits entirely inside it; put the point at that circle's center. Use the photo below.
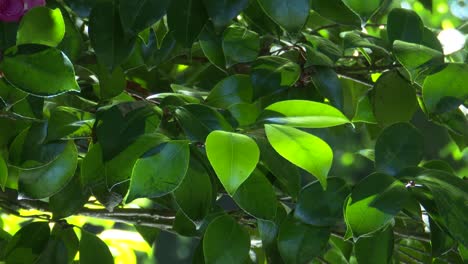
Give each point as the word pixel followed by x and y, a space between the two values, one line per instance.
pixel 231 90
pixel 302 113
pixel 111 84
pixel 394 99
pixel 364 9
pixel 335 10
pixel 136 15
pixel 257 197
pixel 291 15
pixel 360 216
pixel 225 241
pixel 27 244
pixel 49 71
pixel 259 20
pixel 94 250
pixel 301 243
pixel 381 244
pixel 405 25
pixel 211 45
pixel 186 19
pixel 300 148
pixel 160 171
pixel 108 38
pixel 240 45
pixel 233 157
pixel 319 207
pixel 195 193
pixel 445 85
pixel 44 181
pixel 417 59
pixel 222 12
pixel 364 112
pixel 41 26
pixel 272 74
pixel 244 113
pixel 397 147
pixel 67 122
pixel 68 200
pixel 3 173
pixel 327 83
pixel 325 46
pixel 352 39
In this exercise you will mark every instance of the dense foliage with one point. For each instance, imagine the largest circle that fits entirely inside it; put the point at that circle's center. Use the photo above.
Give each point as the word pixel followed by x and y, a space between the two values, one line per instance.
pixel 235 131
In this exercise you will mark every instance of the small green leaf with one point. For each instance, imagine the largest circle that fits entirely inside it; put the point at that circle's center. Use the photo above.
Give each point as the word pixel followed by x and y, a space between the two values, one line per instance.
pixel 136 15
pixel 160 171
pixel 94 250
pixel 233 157
pixel 301 243
pixel 240 45
pixel 231 90
pixel 222 12
pixel 291 15
pixel 397 147
pixel 405 25
pixel 327 83
pixel 27 244
pixel 211 45
pixel 302 149
pixel 44 181
pixel 364 9
pixel 225 241
pixel 186 19
pixel 335 10
pixel 43 26
pixel 322 208
pixel 111 83
pixel 381 243
pixel 302 113
pixel 244 113
pixel 49 71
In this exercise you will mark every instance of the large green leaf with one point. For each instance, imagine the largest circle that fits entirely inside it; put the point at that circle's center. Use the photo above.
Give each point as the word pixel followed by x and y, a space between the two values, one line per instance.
pixel 67 122
pixel 397 147
pixel 49 72
pixel 222 12
pixel 301 243
pixel 160 171
pixel 233 157
pixel 108 38
pixel 225 241
pixel 27 244
pixel 257 197
pixel 186 19
pixel 136 15
pixel 272 74
pixel 94 250
pixel 211 45
pixel 446 85
pixel 381 244
pixel 319 207
pixel 335 10
pixel 405 25
pixel 68 200
pixel 291 15
pixel 302 149
pixel 41 26
pixel 231 90
pixel 327 83
pixel 44 181
pixel 302 113
pixel 111 83
pixel 394 99
pixel 240 45
pixel 364 9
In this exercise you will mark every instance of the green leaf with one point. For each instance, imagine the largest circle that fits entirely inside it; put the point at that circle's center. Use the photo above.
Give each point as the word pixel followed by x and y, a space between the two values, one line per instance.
pixel 259 20
pixel 291 15
pixel 211 45
pixel 244 113
pixel 186 19
pixel 94 250
pixel 352 39
pixel 397 147
pixel 8 31
pixel 42 26
pixel 44 181
pixel 272 74
pixel 233 157
pixel 300 148
pixel 49 71
pixel 61 247
pixel 231 90
pixel 225 241
pixel 405 25
pixel 108 39
pixel 447 84
pixel 68 200
pixel 416 59
pixel 364 9
pixel 27 244
pixel 222 12
pixel 394 99
pixel 67 122
pixel 322 208
pixel 336 11
pixel 136 15
pixel 240 45
pixel 302 113
pixel 111 83
pixel 160 171
pixel 441 243
pixel 195 193
pixel 257 197
pixel 381 243
pixel 149 234
pixel 3 172
pixel 300 243
pixel 327 83
pixel 325 46
pixel 360 216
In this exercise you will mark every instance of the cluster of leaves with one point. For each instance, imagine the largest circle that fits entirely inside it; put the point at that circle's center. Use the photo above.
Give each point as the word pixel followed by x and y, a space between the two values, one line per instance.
pixel 218 113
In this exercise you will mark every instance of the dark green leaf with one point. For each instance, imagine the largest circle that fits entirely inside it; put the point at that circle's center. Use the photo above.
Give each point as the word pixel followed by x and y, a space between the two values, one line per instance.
pixel 41 26
pixel 186 19
pixel 136 15
pixel 405 25
pixel 7 34
pixel 222 12
pixel 327 83
pixel 381 244
pixel 67 122
pixel 231 90
pixel 27 244
pixel 364 9
pixel 94 250
pixel 335 10
pixel 68 200
pixel 62 246
pixel 111 84
pixel 149 234
pixel 211 45
pixel 3 173
pixel 441 242
pixel 244 113
pixel 240 45
pixel 291 15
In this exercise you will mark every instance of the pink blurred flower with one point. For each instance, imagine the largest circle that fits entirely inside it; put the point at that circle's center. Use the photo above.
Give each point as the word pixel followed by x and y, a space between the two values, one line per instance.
pixel 13 10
